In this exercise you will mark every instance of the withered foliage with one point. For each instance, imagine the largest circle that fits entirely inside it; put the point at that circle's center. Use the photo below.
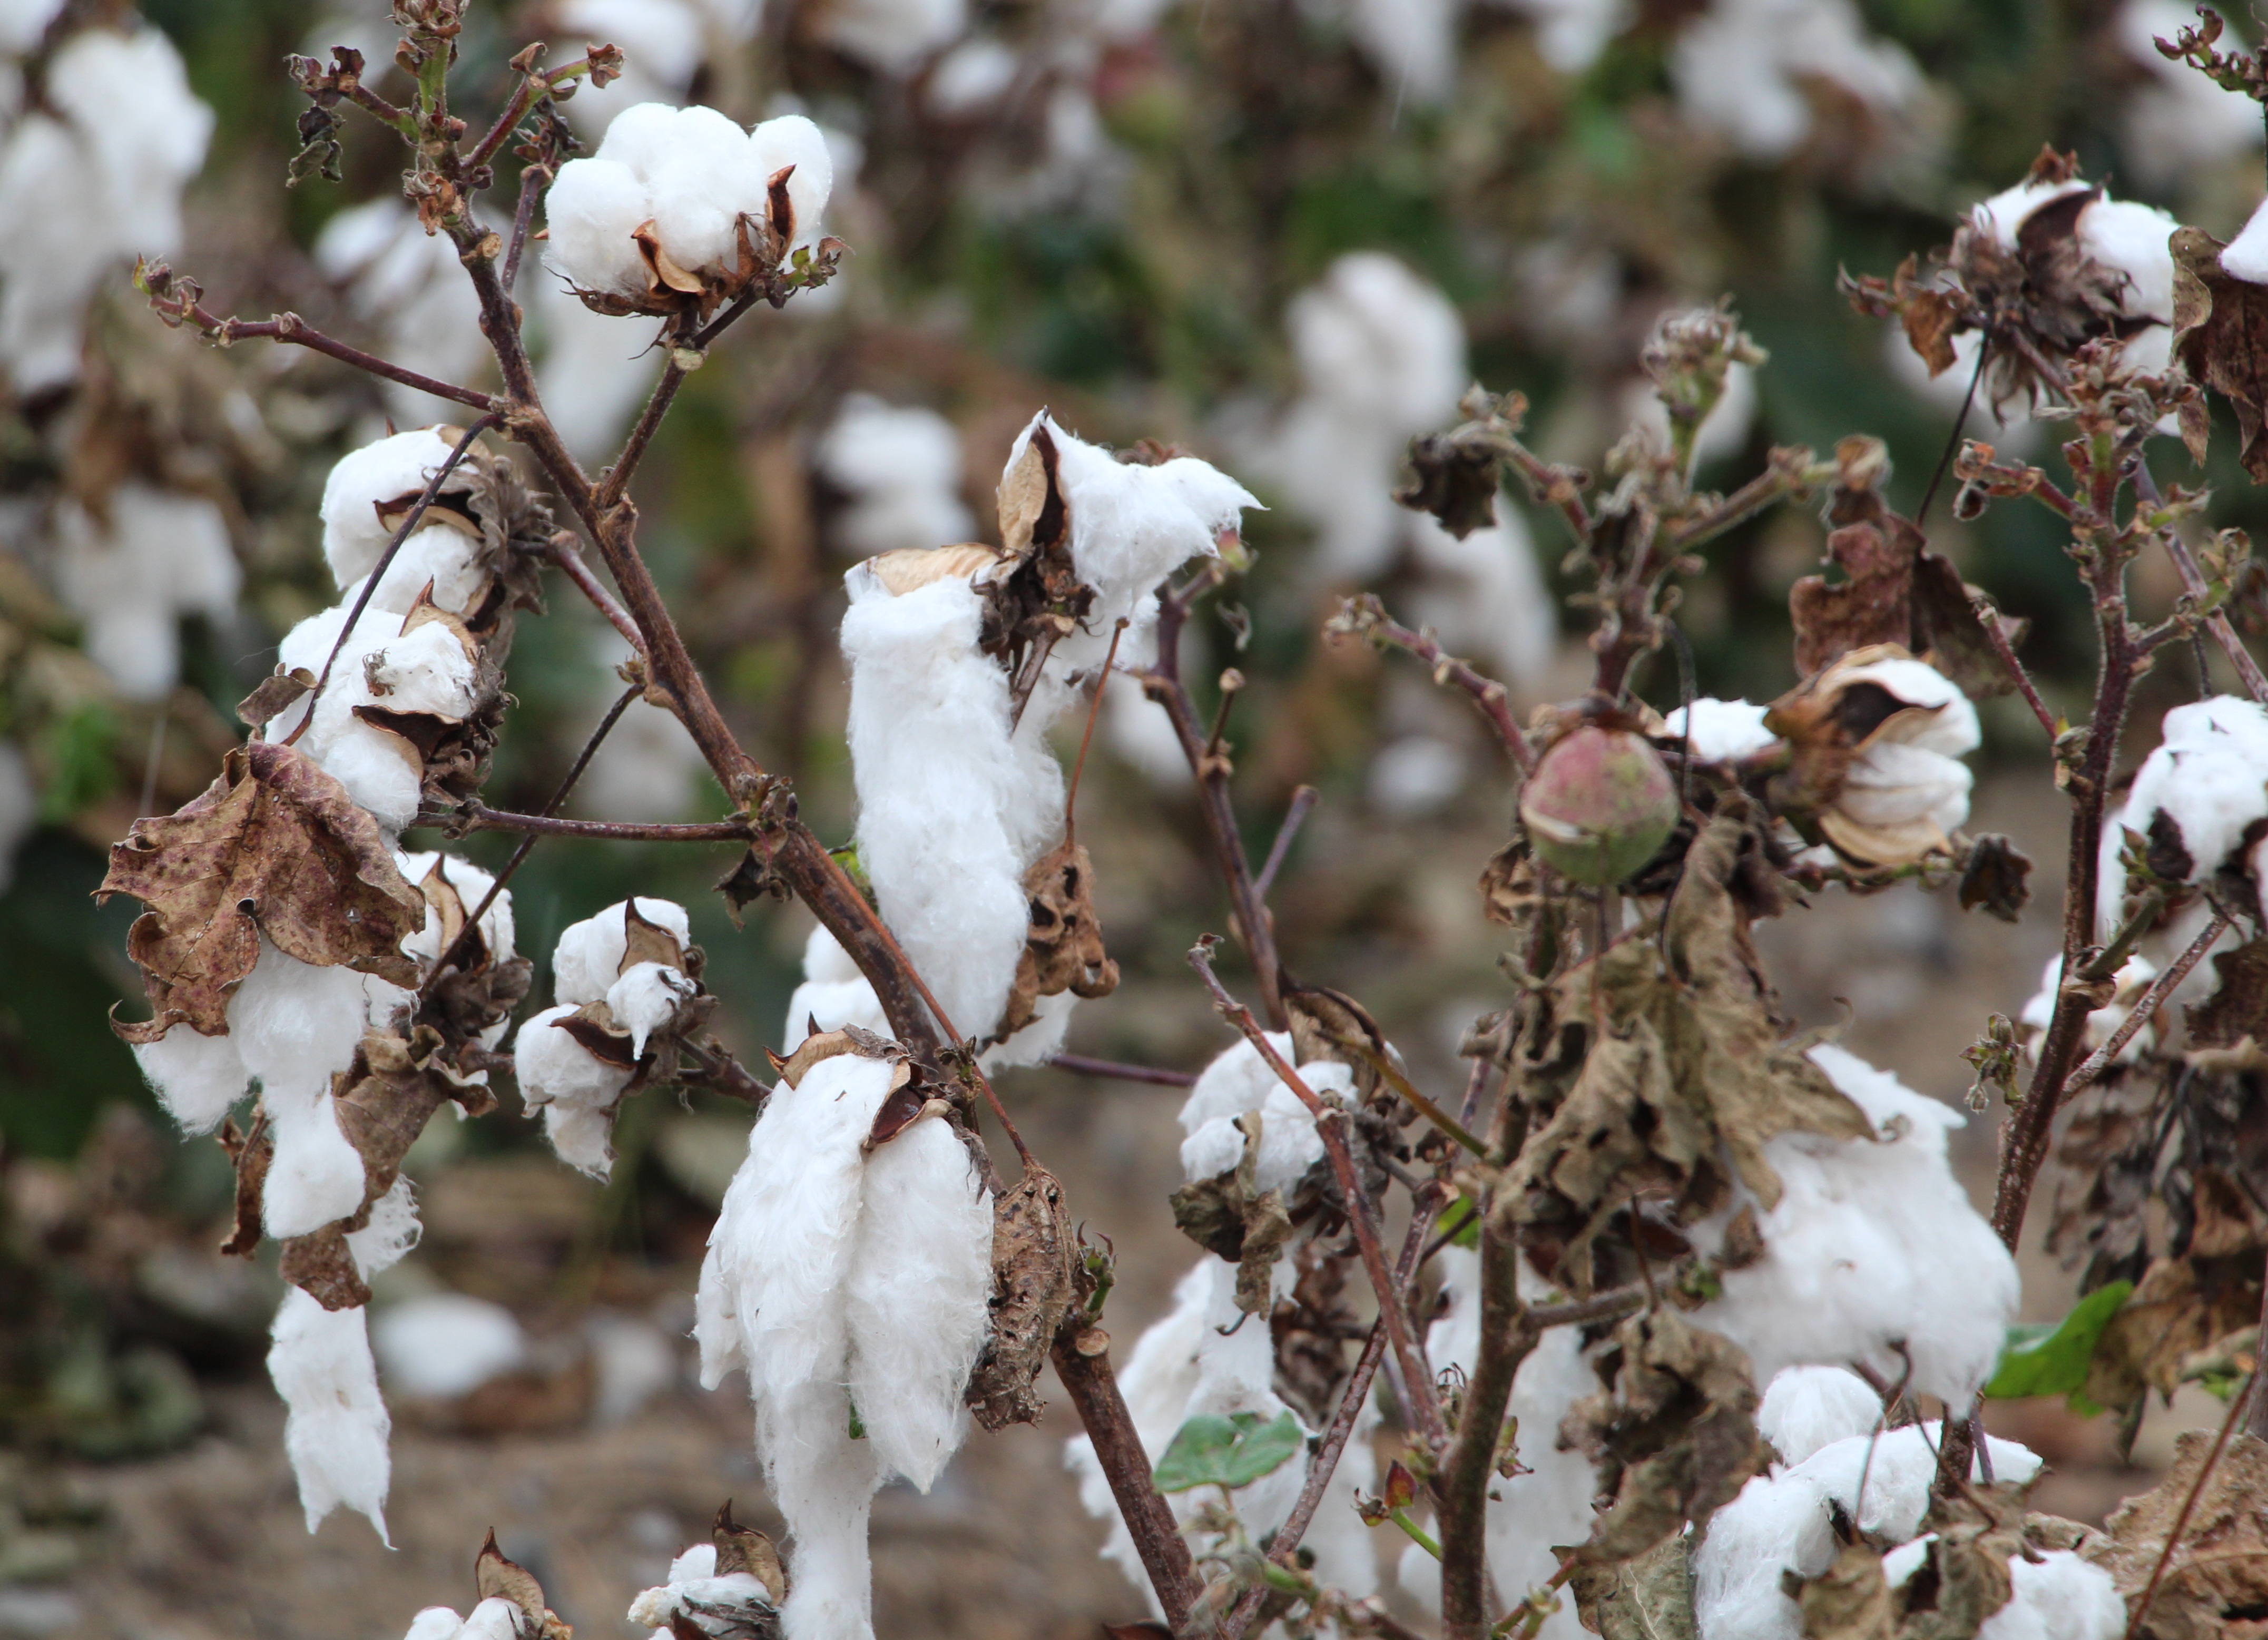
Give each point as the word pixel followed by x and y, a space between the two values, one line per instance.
pixel 1034 1280
pixel 2215 1586
pixel 275 846
pixel 2220 334
pixel 497 1579
pixel 1037 599
pixel 1231 1218
pixel 1962 1580
pixel 1672 1433
pixel 1063 947
pixel 1648 1596
pixel 1637 1067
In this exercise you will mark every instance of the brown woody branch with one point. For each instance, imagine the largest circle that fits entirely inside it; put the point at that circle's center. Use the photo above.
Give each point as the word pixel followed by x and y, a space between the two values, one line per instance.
pixel 478 816
pixel 1365 616
pixel 1157 1535
pixel 1508 1332
pixel 2146 1005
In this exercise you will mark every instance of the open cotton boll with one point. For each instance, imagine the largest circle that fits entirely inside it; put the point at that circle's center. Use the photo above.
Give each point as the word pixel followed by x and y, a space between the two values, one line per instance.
pixel 700 191
pixel 2130 238
pixel 582 1137
pixel 942 794
pixel 390 470
pixel 296 1026
pixel 740 1589
pixel 1872 1244
pixel 336 1427
pixel 22 22
pixel 2207 781
pixel 1898 1474
pixel 588 959
pixel 494 1618
pixel 2057 1596
pixel 591 209
pixel 198 1078
pixel 434 1622
pixel 1237 1080
pixel 647 998
pixel 1807 1408
pixel 1723 732
pixel 917 1297
pixel 1373 336
pixel 575 1090
pixel 438 1346
pixel 440 556
pixel 1289 1144
pixel 833 994
pixel 472 886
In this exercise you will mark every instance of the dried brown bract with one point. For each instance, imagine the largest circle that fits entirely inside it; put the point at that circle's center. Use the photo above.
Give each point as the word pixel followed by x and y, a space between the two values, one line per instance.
pixel 1063 952
pixel 1875 737
pixel 1034 1281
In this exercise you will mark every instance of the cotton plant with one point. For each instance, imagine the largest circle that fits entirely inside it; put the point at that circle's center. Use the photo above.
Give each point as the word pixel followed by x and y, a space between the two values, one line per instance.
pixel 1740 70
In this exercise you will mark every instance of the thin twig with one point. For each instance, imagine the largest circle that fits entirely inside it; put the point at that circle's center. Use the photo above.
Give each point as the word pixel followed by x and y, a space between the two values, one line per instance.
pixel 1997 636
pixel 296 331
pixel 533 179
pixel 2185 563
pixel 478 816
pixel 385 561
pixel 1330 1124
pixel 616 478
pixel 1366 616
pixel 561 550
pixel 1079 1065
pixel 2148 1004
pixel 1302 800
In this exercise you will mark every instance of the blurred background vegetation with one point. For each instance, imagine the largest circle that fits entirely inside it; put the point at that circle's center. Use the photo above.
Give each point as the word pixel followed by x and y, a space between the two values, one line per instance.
pixel 1104 206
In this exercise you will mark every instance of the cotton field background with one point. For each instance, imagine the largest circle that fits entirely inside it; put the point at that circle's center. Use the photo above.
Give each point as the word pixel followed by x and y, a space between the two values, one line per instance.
pixel 1195 273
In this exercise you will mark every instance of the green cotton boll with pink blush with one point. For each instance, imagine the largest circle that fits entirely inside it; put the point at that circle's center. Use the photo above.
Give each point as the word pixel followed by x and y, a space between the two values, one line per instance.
pixel 1598 806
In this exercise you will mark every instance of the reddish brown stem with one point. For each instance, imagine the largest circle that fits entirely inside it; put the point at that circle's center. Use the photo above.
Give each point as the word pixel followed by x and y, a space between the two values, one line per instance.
pixel 1997 636
pixel 1079 1065
pixel 1330 1124
pixel 1508 1332
pixel 561 550
pixel 1305 799
pixel 1093 1391
pixel 1489 697
pixel 478 816
pixel 2101 1059
pixel 296 331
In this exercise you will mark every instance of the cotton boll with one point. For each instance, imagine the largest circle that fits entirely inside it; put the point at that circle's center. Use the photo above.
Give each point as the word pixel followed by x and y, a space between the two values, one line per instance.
pixel 393 1230
pixel 1237 1080
pixel 919 1281
pixel 316 1175
pixel 494 1618
pixel 2057 1596
pixel 833 994
pixel 440 556
pixel 647 998
pixel 588 958
pixel 700 191
pixel 2130 239
pixel 1777 1524
pixel 198 1078
pixel 434 1622
pixel 942 794
pixel 1723 730
pixel 441 1345
pixel 1898 1474
pixel 1807 1408
pixel 554 1069
pixel 1375 336
pixel 391 470
pixel 295 1026
pixel 1289 1144
pixel 735 1590
pixel 336 1430
pixel 471 885
pixel 1872 1244
pixel 381 773
pixel 592 209
pixel 793 139
pixel 641 138
pixel 2208 779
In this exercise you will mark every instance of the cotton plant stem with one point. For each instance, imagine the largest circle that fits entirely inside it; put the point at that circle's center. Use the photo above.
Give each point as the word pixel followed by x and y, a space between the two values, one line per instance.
pixel 2148 1003
pixel 560 549
pixel 1165 1553
pixel 1110 1069
pixel 1256 930
pixel 2185 564
pixel 2237 1403
pixel 1302 800
pixel 408 526
pixel 1989 618
pixel 478 816
pixel 1330 1124
pixel 1507 1333
pixel 1285 1544
pixel 1367 615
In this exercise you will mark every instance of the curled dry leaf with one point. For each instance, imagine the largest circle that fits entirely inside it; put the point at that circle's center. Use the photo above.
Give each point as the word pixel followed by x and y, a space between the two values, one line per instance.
pixel 1674 1431
pixel 1062 948
pixel 2220 334
pixel 1996 876
pixel 1231 1218
pixel 2216 1582
pixel 498 1578
pixel 276 847
pixel 1453 479
pixel 2180 1306
pixel 277 692
pixel 1688 1057
pixel 249 1153
pixel 1648 1598
pixel 744 1548
pixel 1034 1280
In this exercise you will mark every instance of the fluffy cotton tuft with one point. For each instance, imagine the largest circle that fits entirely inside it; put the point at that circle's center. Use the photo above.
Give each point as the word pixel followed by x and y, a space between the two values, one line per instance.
pixel 588 959
pixel 575 1089
pixel 1807 1408
pixel 1723 732
pixel 391 471
pixel 841 1283
pixel 647 998
pixel 337 1426
pixel 445 1344
pixel 1873 1244
pixel 1740 69
pixel 296 1026
pixel 2207 781
pixel 2057 1596
pixel 198 1078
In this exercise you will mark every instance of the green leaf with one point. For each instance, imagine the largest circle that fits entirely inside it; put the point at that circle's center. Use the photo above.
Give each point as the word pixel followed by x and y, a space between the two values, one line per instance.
pixel 2043 1360
pixel 1460 1224
pixel 1231 1452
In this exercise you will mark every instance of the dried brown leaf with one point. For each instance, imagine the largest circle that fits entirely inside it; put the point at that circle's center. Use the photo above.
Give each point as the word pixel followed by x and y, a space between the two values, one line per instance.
pixel 744 1548
pixel 497 1579
pixel 1063 947
pixel 274 846
pixel 278 691
pixel 2220 333
pixel 2216 1583
pixel 1034 1276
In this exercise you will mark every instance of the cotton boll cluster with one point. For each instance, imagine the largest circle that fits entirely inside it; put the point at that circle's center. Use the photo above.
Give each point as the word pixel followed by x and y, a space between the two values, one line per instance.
pixel 900 469
pixel 1873 1253
pixel 1783 1522
pixel 88 181
pixel 2127 241
pixel 1806 1408
pixel 1550 1501
pixel 2177 121
pixel 132 571
pixel 847 1286
pixel 690 174
pixel 694 1589
pixel 1741 70
pixel 577 1090
pixel 407 286
pixel 2198 792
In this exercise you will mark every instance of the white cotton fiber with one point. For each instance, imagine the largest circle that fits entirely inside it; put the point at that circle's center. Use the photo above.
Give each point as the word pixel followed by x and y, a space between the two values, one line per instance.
pixel 941 793
pixel 1531 1512
pixel 2131 240
pixel 440 559
pixel 434 1622
pixel 917 1296
pixel 2209 775
pixel 1722 730
pixel 393 1230
pixel 575 1090
pixel 1807 1408
pixel 793 139
pixel 582 1137
pixel 687 1588
pixel 295 1026
pixel 198 1078
pixel 336 1431
pixel 1289 1144
pixel 441 1345
pixel 592 207
pixel 1874 1243
pixel 2246 256
pixel 1237 1080
pixel 647 998
pixel 471 885
pixel 700 189
pixel 393 470
pixel 2057 1596
pixel 772 1301
pixel 833 994
pixel 588 959
pixel 1039 1041
pixel 494 1618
